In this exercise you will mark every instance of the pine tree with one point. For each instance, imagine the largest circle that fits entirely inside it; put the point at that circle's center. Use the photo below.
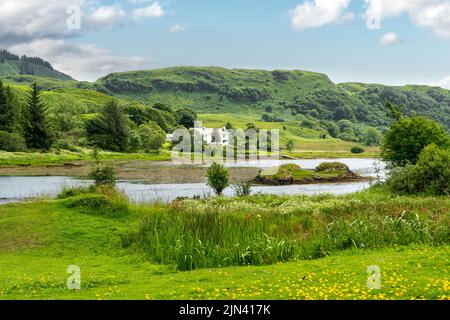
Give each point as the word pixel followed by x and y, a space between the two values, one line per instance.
pixel 9 110
pixel 3 108
pixel 110 129
pixel 37 129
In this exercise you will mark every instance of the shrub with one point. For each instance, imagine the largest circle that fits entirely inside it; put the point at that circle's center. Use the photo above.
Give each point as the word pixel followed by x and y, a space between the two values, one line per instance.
pixel 65 144
pixel 431 174
pixel 242 189
pixel 348 135
pixel 407 137
pixel 68 192
pixel 102 175
pixel 218 178
pixel 290 145
pixel 11 142
pixel 357 150
pixel 152 136
pixel 372 137
pixel 100 204
pixel 332 167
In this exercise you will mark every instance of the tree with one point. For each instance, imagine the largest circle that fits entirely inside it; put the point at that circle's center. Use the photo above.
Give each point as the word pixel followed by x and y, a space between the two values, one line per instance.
pixel 102 175
pixel 110 129
pixel 186 118
pixel 372 137
pixel 408 136
pixel 331 127
pixel 163 107
pixel 9 110
pixel 229 126
pixel 218 178
pixel 152 136
pixel 290 145
pixel 37 129
pixel 430 175
pixel 394 112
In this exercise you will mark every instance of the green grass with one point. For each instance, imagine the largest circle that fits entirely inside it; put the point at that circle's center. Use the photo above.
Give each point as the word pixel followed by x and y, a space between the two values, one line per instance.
pixel 40 159
pixel 39 240
pixel 307 142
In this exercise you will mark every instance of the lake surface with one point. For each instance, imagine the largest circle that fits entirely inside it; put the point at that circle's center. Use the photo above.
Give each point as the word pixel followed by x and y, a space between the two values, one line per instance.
pixel 13 189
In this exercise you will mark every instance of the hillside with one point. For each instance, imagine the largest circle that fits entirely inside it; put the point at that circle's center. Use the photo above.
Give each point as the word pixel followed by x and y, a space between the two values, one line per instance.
pixel 284 93
pixel 12 65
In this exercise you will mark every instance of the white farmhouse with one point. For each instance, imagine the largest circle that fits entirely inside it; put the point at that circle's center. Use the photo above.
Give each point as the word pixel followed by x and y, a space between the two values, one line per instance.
pixel 213 136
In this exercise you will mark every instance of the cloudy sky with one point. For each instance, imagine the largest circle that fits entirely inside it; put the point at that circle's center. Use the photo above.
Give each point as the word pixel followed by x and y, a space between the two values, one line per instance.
pixel 383 41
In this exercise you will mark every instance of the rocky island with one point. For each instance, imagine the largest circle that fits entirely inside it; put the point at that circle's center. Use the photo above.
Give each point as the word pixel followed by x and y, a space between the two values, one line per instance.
pixel 328 172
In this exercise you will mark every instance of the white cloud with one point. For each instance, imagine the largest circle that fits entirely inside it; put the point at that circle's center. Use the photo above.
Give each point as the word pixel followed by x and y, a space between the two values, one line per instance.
pixel 106 17
pixel 26 20
pixel 433 14
pixel 177 28
pixel 83 62
pixel 443 83
pixel 154 10
pixel 390 38
pixel 317 13
pixel 40 28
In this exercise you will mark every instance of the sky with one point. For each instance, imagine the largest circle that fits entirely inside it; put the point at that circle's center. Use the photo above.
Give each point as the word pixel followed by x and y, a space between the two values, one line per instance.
pixel 392 42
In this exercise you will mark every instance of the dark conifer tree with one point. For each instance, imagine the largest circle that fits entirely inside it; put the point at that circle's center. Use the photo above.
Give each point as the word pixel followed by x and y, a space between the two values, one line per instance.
pixel 9 110
pixel 37 129
pixel 110 129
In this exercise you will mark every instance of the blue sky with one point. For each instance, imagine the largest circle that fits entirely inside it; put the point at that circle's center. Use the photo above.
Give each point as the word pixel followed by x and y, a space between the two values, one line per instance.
pixel 328 36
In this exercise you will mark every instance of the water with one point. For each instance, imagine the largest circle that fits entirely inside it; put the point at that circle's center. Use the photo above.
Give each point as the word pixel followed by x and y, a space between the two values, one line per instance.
pixel 13 189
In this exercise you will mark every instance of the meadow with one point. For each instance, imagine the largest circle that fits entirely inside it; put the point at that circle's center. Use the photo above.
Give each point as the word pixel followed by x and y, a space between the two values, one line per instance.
pixel 307 142
pixel 259 247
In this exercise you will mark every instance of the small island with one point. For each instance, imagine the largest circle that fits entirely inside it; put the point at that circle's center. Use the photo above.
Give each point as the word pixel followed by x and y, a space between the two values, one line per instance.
pixel 328 172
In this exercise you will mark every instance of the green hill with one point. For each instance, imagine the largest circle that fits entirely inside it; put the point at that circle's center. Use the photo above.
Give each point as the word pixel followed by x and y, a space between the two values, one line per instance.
pixel 12 65
pixel 283 93
pixel 308 98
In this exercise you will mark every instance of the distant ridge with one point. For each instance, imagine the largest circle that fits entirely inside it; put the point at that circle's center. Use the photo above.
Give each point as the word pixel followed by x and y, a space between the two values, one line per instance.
pixel 13 65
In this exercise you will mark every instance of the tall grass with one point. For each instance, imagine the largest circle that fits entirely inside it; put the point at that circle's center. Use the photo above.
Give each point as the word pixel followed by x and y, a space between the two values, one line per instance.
pixel 263 230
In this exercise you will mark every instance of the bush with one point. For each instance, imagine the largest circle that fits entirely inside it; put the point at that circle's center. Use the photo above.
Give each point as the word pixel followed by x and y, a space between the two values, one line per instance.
pixel 11 142
pixel 348 135
pixel 357 150
pixel 65 144
pixel 68 192
pixel 372 137
pixel 431 174
pixel 100 204
pixel 332 167
pixel 242 189
pixel 104 176
pixel 152 136
pixel 218 178
pixel 407 137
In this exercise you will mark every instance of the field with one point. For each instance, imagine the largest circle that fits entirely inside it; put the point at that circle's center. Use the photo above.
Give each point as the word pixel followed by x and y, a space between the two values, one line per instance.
pixel 8 159
pixel 39 240
pixel 307 142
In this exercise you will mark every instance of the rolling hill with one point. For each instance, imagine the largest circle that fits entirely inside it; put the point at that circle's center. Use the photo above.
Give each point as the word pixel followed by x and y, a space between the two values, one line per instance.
pixel 12 65
pixel 283 93
pixel 288 95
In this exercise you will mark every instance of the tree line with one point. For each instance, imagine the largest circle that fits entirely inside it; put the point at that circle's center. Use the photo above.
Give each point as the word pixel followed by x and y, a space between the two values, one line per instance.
pixel 135 127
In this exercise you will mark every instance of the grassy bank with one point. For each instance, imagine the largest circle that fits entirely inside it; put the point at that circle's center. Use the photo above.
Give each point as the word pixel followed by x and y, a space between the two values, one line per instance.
pixel 44 159
pixel 297 248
